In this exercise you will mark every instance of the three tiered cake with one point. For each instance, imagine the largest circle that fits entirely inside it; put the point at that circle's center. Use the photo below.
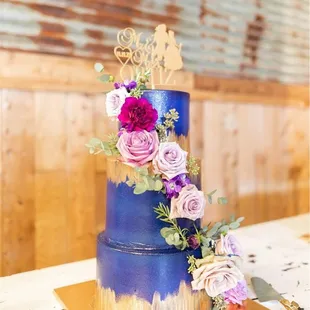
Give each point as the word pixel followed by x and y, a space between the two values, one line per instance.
pixel 154 254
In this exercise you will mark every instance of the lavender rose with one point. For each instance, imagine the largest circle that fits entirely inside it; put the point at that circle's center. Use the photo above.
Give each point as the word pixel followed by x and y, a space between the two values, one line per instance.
pixel 114 101
pixel 216 274
pixel 138 147
pixel 170 160
pixel 228 245
pixel 237 294
pixel 189 204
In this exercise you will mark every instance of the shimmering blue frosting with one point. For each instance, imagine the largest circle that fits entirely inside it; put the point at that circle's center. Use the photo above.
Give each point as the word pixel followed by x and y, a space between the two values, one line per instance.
pixel 164 100
pixel 132 256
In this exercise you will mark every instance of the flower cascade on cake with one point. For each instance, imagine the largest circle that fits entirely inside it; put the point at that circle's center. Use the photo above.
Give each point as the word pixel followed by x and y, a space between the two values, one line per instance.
pixel 142 143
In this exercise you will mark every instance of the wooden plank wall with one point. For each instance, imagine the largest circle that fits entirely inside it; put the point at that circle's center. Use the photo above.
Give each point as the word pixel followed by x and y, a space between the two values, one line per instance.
pixel 52 192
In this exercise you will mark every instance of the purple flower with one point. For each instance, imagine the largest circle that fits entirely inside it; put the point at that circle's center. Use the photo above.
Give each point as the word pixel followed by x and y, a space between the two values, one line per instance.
pixel 237 294
pixel 117 85
pixel 193 242
pixel 174 185
pixel 130 84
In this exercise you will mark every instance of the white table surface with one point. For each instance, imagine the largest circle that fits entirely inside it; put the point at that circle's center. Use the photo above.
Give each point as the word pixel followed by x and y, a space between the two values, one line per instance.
pixel 273 251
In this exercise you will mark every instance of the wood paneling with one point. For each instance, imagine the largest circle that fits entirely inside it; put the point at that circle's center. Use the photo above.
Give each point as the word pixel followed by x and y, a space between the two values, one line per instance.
pixel 81 212
pixel 18 210
pixel 53 192
pixel 58 73
pixel 257 156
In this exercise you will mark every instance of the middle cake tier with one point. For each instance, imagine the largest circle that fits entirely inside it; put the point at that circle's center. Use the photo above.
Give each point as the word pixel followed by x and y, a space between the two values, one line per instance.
pixel 130 218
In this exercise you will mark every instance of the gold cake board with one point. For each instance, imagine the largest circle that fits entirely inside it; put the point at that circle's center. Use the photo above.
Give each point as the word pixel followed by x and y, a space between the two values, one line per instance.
pixel 81 296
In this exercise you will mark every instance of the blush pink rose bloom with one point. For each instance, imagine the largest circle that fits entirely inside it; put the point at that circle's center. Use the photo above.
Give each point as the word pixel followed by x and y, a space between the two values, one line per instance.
pixel 228 245
pixel 216 275
pixel 170 160
pixel 138 147
pixel 189 204
pixel 114 101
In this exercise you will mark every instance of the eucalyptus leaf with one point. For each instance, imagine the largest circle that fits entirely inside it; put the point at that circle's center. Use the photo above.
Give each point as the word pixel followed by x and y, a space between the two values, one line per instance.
pixel 224 229
pixel 212 193
pixel 240 219
pixel 108 152
pixel 94 141
pixel 166 231
pixel 234 225
pixel 184 245
pixel 217 224
pixel 205 241
pixel 142 171
pixel 140 188
pixel 104 78
pixel 158 185
pixel 212 231
pixel 151 183
pixel 209 199
pixel 146 182
pixel 205 251
pixel 222 200
pixel 98 67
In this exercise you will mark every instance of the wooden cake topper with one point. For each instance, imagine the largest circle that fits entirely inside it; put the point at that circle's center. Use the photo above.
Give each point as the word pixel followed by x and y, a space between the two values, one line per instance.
pixel 159 54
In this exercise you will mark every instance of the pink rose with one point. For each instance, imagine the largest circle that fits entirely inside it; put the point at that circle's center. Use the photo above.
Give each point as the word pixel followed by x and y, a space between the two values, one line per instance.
pixel 216 274
pixel 114 101
pixel 138 147
pixel 170 160
pixel 228 245
pixel 189 204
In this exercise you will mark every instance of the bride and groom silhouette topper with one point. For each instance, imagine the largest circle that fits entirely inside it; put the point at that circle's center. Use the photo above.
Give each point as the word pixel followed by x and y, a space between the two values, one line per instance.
pixel 159 53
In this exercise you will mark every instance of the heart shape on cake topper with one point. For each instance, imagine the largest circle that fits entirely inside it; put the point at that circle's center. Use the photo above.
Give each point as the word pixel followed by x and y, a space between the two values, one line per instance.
pixel 123 54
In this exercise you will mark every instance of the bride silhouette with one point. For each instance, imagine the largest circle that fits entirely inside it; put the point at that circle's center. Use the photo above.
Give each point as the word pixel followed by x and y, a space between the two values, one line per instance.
pixel 172 56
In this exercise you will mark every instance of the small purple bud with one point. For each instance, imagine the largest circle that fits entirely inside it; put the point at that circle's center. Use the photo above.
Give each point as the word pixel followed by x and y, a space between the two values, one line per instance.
pixel 193 242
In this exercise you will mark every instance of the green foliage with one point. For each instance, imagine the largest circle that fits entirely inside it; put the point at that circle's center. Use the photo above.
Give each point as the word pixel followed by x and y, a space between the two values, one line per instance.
pixel 173 235
pixel 220 200
pixel 162 133
pixel 162 129
pixel 206 251
pixel 145 182
pixel 220 228
pixel 192 165
pixel 192 263
pixel 219 303
pixel 98 67
pixel 141 80
pixel 97 146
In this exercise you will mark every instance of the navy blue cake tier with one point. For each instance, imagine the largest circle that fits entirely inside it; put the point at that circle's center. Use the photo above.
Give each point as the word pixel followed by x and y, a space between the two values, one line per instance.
pixel 136 268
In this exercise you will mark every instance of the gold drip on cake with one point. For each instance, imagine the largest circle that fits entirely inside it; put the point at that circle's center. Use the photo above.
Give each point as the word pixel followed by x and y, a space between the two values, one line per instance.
pixel 182 140
pixel 185 299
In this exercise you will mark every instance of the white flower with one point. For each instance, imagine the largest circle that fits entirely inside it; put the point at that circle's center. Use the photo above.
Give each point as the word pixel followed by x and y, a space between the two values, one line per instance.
pixel 114 101
pixel 216 274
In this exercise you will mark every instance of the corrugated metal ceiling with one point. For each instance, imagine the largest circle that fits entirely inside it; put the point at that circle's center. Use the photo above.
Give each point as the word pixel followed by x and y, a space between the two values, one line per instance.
pixel 261 39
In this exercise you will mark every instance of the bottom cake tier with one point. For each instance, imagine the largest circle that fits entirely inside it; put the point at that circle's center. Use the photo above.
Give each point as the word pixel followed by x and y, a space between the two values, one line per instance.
pixel 134 278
